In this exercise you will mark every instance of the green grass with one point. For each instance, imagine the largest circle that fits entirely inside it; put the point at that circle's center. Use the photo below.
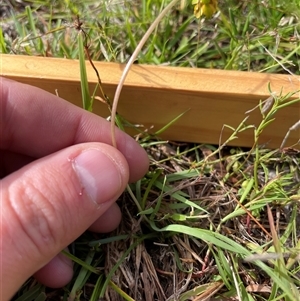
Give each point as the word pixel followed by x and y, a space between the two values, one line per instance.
pixel 236 39
pixel 206 221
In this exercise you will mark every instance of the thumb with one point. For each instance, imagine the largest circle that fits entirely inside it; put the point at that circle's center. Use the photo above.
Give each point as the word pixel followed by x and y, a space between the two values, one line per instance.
pixel 48 203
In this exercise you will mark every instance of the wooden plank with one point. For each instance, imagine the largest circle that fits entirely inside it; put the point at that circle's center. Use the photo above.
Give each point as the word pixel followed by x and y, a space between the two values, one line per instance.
pixel 154 95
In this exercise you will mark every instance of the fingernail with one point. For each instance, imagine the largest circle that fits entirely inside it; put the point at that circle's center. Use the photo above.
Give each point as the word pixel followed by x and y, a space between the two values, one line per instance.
pixel 99 174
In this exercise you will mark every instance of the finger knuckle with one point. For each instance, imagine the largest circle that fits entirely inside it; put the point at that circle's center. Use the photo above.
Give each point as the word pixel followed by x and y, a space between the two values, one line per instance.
pixel 36 214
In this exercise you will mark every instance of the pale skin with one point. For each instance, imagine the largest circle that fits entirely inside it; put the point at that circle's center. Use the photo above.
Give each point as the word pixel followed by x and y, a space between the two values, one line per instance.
pixel 59 177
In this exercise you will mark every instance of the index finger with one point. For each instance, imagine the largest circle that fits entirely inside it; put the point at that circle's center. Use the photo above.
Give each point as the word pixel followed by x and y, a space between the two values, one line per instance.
pixel 36 123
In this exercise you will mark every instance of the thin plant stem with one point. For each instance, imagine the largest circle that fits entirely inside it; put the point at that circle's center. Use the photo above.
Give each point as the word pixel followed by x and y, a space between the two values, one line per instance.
pixel 129 64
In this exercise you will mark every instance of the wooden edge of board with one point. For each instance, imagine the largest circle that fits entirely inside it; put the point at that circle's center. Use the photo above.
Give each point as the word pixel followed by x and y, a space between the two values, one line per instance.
pixel 213 100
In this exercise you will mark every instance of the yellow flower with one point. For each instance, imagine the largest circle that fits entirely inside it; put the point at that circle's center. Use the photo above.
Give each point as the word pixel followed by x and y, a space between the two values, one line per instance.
pixel 204 8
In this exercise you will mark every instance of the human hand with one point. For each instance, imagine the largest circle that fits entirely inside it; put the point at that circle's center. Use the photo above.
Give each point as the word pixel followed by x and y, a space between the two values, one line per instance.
pixel 59 176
